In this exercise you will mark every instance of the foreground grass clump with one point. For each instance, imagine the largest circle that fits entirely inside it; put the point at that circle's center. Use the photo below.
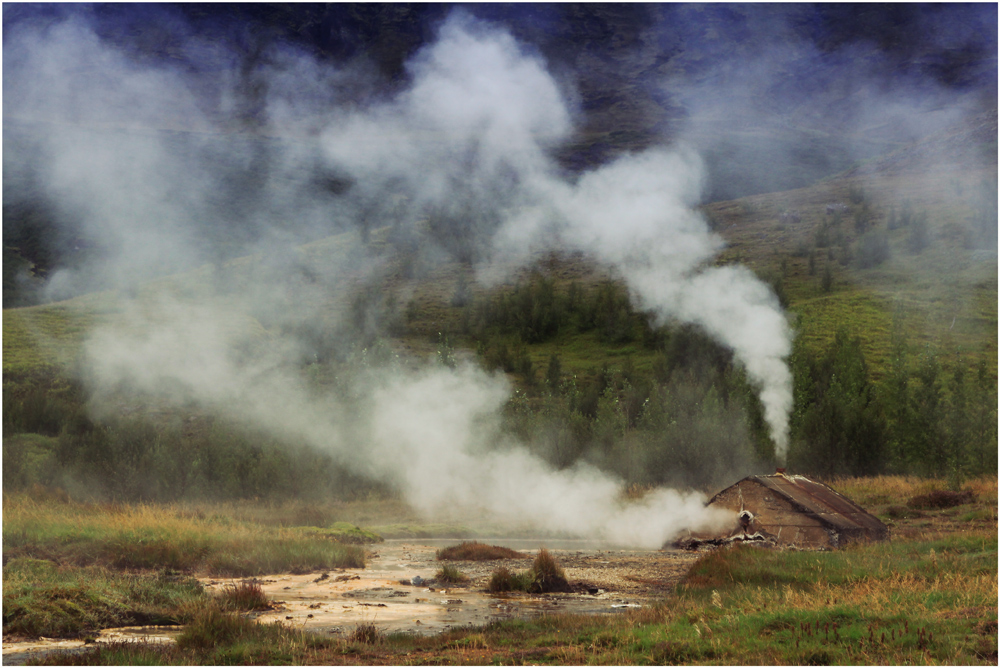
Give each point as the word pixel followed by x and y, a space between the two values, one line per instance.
pixel 476 551
pixel 41 598
pixel 544 576
pixel 164 537
pixel 213 638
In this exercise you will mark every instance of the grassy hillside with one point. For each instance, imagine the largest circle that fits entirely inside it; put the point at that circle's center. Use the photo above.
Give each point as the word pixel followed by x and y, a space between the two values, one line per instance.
pixel 892 254
pixel 945 296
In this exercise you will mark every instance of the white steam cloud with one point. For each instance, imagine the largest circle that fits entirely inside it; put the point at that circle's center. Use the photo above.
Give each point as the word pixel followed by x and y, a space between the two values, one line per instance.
pixel 475 125
pixel 465 147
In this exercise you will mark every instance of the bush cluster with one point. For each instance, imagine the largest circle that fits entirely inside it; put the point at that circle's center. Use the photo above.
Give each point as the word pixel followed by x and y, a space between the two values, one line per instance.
pixel 544 576
pixel 476 551
pixel 133 458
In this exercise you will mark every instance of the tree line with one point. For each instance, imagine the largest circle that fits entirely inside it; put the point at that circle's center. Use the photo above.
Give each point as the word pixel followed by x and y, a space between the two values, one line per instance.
pixel 677 411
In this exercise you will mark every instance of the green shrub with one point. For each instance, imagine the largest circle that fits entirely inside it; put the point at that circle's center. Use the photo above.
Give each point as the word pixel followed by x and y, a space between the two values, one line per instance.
pixel 873 249
pixel 451 575
pixel 503 579
pixel 920 236
pixel 544 576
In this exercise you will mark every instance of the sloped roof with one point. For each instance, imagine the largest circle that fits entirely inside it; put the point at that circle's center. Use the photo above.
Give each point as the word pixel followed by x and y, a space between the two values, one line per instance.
pixel 822 502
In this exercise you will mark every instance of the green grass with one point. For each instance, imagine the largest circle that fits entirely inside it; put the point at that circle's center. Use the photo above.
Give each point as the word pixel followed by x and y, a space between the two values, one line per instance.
pixel 41 598
pixel 44 338
pixel 451 575
pixel 503 580
pixel 156 537
pixel 344 532
pixel 945 296
pixel 928 601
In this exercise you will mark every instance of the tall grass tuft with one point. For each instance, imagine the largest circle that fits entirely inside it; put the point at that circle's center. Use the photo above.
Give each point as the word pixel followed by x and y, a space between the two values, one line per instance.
pixel 547 575
pixel 243 596
pixel 366 634
pixel 214 627
pixel 216 637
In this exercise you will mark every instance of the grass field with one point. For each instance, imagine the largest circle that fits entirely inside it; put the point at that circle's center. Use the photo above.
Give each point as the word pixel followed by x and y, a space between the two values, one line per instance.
pixel 171 537
pixel 927 597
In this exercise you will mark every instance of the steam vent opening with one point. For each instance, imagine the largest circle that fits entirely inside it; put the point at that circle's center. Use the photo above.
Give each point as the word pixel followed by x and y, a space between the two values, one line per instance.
pixel 791 510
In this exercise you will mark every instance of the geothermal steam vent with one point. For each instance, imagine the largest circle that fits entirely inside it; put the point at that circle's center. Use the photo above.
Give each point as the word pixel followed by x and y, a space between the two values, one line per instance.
pixel 793 510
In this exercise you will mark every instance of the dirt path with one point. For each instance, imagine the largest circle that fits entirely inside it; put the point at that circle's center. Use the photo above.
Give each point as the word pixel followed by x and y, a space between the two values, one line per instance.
pixel 604 582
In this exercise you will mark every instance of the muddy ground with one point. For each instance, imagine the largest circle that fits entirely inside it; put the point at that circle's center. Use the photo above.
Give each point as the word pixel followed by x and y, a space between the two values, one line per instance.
pixel 604 581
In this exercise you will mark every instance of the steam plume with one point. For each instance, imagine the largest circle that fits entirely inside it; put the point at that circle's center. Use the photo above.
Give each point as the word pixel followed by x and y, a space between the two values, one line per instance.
pixel 635 214
pixel 463 151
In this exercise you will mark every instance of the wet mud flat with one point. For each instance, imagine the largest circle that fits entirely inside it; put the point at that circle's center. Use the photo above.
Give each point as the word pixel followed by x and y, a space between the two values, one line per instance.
pixel 384 593
pixel 21 652
pixel 335 603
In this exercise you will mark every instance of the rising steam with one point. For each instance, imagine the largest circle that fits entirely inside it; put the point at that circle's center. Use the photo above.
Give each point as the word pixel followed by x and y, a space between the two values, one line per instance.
pixel 476 123
pixel 463 154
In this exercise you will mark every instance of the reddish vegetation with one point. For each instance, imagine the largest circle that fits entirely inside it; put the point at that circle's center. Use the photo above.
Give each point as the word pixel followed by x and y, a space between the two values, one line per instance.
pixel 940 498
pixel 474 551
pixel 246 595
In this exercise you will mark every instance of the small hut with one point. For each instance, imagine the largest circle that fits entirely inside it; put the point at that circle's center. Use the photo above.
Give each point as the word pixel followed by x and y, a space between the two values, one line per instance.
pixel 793 510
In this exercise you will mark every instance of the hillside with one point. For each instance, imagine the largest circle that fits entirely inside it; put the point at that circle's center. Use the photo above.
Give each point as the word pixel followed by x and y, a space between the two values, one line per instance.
pixel 940 298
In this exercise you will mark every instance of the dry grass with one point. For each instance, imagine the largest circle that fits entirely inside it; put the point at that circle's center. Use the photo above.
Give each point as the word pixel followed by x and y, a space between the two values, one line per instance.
pixel 894 489
pixel 939 498
pixel 243 596
pixel 366 634
pixel 547 575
